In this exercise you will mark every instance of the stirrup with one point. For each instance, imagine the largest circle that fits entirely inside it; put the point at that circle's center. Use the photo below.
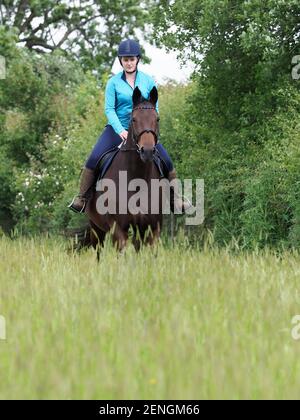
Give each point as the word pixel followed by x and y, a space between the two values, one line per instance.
pixel 183 209
pixel 189 204
pixel 75 209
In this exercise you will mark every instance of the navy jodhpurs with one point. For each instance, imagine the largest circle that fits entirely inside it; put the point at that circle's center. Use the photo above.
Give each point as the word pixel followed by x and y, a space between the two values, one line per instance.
pixel 109 139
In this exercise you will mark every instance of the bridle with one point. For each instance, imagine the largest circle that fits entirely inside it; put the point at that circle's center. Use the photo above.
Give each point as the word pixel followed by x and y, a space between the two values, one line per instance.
pixel 136 136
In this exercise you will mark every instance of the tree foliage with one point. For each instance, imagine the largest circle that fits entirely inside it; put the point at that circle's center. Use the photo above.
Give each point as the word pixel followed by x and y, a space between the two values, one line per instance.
pixel 88 30
pixel 241 116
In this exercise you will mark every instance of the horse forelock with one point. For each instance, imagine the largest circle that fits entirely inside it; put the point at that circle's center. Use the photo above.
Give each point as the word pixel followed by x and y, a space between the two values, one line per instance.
pixel 143 100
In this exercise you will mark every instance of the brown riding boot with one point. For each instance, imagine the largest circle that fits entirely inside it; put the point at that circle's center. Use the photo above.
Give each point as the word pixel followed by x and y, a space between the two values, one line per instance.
pixel 176 201
pixel 87 180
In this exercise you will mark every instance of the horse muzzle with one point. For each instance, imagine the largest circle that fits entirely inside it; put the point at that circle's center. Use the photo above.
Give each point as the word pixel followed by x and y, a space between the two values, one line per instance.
pixel 147 155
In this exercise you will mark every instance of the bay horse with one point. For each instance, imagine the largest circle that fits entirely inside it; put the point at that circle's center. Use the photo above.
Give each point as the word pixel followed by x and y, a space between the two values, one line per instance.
pixel 134 161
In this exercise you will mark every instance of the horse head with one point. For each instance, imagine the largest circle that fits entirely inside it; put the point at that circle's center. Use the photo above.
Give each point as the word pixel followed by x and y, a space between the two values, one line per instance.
pixel 144 125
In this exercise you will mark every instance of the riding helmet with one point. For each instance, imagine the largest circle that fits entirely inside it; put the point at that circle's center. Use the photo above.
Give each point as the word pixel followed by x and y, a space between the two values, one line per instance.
pixel 129 48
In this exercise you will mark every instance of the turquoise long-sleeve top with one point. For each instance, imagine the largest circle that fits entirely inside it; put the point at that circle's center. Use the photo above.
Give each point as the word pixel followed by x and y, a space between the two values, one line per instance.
pixel 118 98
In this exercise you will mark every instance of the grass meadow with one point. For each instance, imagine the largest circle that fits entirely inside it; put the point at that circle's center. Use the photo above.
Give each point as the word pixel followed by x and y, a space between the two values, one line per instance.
pixel 182 324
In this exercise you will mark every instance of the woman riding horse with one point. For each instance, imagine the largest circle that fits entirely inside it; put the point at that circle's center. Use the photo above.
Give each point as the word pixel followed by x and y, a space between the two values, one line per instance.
pixel 118 107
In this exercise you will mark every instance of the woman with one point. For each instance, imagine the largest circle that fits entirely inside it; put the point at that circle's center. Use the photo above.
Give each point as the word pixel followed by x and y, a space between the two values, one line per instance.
pixel 118 107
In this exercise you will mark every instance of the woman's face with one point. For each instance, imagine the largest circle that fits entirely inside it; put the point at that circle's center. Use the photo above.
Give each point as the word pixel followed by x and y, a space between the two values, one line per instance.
pixel 129 63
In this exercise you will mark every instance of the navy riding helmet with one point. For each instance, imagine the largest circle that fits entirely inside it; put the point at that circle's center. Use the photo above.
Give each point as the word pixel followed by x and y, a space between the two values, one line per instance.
pixel 129 48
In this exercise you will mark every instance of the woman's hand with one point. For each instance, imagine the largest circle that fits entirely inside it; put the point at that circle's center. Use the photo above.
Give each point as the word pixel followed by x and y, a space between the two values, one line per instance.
pixel 124 134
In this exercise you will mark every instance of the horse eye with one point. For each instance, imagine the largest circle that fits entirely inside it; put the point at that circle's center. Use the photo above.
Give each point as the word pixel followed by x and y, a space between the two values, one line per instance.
pixel 133 120
pixel 158 119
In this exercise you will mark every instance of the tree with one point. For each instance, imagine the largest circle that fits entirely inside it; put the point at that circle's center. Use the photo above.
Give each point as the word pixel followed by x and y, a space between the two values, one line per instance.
pixel 242 50
pixel 89 30
pixel 241 118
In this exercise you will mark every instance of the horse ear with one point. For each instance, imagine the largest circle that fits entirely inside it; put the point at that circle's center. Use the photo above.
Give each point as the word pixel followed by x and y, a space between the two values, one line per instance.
pixel 153 96
pixel 136 97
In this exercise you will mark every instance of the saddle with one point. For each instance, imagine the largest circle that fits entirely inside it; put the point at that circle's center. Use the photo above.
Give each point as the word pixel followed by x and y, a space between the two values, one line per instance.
pixel 107 158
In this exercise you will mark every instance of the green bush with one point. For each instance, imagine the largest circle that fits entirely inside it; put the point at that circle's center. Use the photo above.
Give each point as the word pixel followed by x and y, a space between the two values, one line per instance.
pixel 45 189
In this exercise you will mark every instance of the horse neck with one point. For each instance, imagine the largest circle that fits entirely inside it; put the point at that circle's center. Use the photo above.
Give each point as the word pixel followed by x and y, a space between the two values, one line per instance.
pixel 136 168
pixel 130 143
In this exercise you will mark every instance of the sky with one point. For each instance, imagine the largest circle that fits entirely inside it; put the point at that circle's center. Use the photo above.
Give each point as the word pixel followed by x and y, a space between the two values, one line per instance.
pixel 163 65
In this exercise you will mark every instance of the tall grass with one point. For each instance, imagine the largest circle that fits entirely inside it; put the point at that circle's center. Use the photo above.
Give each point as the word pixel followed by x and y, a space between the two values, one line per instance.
pixel 180 324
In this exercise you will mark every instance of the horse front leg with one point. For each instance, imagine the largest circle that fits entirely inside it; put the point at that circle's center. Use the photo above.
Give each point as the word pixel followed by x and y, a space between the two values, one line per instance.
pixel 152 238
pixel 119 237
pixel 97 238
